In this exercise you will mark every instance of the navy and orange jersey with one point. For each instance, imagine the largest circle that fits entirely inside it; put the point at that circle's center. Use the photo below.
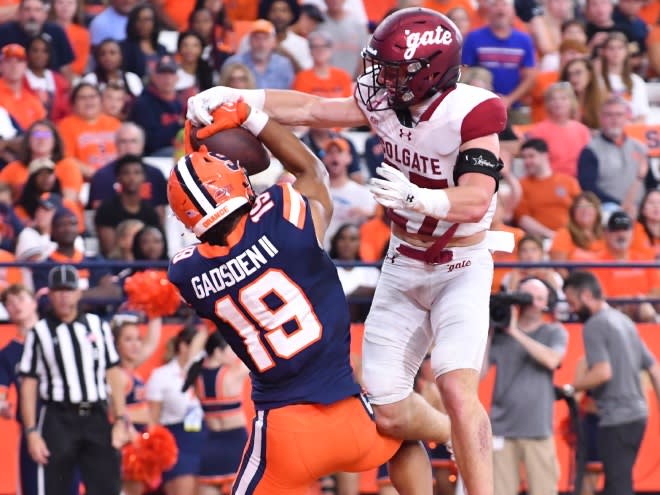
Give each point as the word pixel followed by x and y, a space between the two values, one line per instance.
pixel 10 355
pixel 275 296
pixel 215 403
pixel 135 392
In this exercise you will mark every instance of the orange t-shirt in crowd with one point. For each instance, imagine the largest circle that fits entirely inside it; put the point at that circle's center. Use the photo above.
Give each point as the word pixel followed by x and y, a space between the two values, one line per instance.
pixel 565 142
pixel 93 143
pixel 8 274
pixel 81 43
pixel 179 11
pixel 537 102
pixel 374 236
pixel 547 200
pixel 626 281
pixel 242 10
pixel 642 243
pixel 25 107
pixel 444 6
pixel 66 170
pixel 500 256
pixel 564 247
pixel 338 84
pixel 650 12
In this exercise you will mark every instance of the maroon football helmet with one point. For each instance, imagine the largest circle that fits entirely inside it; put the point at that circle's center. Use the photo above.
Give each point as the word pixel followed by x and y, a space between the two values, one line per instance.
pixel 412 54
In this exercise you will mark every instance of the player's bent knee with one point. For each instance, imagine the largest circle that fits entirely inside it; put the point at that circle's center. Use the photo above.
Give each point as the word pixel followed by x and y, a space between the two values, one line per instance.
pixel 458 397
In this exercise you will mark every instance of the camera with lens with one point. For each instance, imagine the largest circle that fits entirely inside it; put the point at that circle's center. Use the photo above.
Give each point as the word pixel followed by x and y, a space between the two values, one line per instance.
pixel 500 307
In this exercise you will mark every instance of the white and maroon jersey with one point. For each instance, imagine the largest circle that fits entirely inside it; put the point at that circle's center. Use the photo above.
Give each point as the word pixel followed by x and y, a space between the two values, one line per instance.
pixel 427 152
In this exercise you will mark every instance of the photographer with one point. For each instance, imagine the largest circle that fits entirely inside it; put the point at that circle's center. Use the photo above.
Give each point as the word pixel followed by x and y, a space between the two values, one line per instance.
pixel 526 352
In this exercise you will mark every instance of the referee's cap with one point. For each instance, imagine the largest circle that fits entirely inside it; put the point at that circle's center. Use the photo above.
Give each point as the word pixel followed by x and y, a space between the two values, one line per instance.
pixel 63 277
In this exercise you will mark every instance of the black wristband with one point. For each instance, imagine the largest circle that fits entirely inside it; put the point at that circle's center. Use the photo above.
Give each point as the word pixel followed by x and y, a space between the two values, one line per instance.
pixel 31 429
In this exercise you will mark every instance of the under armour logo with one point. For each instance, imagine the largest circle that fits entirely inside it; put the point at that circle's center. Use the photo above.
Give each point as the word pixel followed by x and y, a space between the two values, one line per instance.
pixel 410 198
pixel 402 133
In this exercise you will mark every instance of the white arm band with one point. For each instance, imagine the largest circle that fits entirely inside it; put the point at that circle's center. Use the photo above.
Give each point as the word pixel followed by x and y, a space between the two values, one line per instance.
pixel 256 121
pixel 432 202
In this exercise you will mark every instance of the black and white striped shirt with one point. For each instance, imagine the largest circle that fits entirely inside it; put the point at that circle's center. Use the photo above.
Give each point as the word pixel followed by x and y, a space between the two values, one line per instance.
pixel 70 360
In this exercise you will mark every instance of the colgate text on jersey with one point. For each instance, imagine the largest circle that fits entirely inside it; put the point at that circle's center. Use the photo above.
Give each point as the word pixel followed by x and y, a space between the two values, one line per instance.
pixel 398 154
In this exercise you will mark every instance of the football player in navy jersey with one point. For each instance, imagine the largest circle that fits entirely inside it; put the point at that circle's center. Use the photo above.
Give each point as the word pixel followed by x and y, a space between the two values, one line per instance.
pixel 261 275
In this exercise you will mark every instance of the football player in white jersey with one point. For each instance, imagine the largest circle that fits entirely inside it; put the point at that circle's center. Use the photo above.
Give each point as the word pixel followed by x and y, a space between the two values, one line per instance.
pixel 438 183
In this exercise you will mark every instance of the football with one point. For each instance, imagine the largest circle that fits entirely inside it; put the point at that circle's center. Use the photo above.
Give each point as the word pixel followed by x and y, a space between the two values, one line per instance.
pixel 237 144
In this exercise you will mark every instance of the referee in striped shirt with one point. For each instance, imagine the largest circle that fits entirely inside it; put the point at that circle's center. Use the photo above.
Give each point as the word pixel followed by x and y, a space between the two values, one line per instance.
pixel 70 361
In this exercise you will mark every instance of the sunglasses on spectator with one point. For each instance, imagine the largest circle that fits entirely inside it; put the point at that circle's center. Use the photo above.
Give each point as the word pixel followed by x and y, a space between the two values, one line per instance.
pixel 42 133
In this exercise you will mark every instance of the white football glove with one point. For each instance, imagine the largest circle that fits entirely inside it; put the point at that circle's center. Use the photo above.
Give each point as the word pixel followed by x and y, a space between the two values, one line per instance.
pixel 395 191
pixel 202 104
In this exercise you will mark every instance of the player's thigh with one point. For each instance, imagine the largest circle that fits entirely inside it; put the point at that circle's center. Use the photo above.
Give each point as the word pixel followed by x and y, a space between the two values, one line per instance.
pixel 396 334
pixel 460 313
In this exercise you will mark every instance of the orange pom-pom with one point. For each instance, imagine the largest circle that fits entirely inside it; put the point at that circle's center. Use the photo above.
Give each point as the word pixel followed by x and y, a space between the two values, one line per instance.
pixel 150 291
pixel 152 452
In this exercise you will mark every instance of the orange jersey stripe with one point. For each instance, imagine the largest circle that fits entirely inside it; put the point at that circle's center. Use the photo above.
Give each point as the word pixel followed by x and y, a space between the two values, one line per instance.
pixel 294 206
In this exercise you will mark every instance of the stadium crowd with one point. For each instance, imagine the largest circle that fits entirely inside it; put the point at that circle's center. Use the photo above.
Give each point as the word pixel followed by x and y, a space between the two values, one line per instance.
pixel 92 104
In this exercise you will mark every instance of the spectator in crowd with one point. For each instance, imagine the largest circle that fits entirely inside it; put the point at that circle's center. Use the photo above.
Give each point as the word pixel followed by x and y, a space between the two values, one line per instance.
pixel 97 282
pixel 569 50
pixel 461 17
pixel 548 38
pixel 140 49
pixel 201 22
pixel 74 429
pixel 217 31
pixel 41 182
pixel 526 354
pixel 323 79
pixel 530 250
pixel 565 136
pixel 34 242
pixel 357 281
pixel 317 139
pixel 9 222
pixel 646 234
pixel 114 101
pixel 574 30
pixel 149 244
pixel 618 78
pixel 129 140
pixel 133 350
pixel 108 69
pixel 50 86
pixel 308 21
pixel 615 356
pixel 582 238
pixel 23 106
pixel 42 140
pixel 599 23
pixel 582 77
pixel 21 307
pixel 626 17
pixel 194 73
pixel 353 203
pixel 30 22
pixel 349 34
pixel 237 75
pixel 282 14
pixel 88 134
pixel 626 281
pixel 614 166
pixel 111 23
pixel 9 274
pixel 270 69
pixel 126 204
pixel 158 111
pixel 69 15
pixel 180 412
pixel 507 52
pixel 546 195
pixel 220 389
pixel 125 233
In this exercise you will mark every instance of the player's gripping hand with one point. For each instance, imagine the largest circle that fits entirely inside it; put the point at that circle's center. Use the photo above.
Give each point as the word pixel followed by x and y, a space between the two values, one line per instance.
pixel 395 191
pixel 201 106
pixel 227 116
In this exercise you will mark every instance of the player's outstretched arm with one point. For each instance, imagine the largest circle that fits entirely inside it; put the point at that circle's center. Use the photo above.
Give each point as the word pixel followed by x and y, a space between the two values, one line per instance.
pixel 286 106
